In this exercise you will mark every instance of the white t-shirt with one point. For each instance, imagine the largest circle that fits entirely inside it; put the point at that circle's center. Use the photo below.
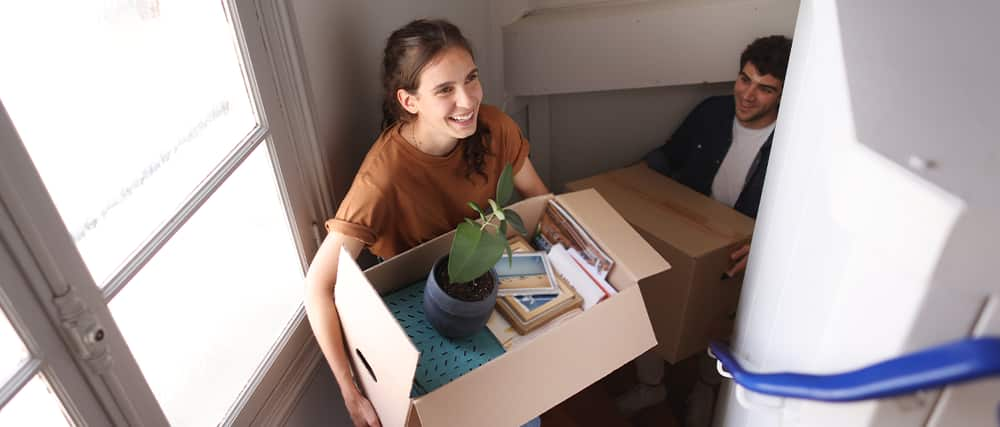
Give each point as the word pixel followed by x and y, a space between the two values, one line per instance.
pixel 732 175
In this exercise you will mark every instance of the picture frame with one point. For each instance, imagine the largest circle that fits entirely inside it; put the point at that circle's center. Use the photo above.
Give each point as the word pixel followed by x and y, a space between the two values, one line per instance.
pixel 526 273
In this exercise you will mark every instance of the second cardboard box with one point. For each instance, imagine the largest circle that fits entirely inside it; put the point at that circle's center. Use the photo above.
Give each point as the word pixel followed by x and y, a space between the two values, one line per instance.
pixel 692 302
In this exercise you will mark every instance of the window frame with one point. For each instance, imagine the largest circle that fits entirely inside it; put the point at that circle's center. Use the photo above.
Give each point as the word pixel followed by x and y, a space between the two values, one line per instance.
pixel 56 283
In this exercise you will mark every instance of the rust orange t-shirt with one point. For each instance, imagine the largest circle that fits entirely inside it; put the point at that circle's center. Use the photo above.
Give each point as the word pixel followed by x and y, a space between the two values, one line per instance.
pixel 402 197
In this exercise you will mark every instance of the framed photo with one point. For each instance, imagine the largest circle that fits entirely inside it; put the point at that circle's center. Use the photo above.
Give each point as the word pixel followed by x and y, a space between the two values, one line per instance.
pixel 529 307
pixel 528 312
pixel 527 273
pixel 529 303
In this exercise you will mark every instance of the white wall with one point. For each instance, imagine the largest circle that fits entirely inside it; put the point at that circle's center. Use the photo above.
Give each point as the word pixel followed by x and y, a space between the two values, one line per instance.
pixel 599 131
pixel 342 42
pixel 636 44
pixel 603 83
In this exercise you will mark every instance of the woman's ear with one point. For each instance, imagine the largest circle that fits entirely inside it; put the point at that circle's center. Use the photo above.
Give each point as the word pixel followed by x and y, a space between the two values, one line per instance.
pixel 407 100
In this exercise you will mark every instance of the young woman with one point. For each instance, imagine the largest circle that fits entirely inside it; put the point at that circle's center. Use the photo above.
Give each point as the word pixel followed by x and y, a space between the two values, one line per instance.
pixel 439 148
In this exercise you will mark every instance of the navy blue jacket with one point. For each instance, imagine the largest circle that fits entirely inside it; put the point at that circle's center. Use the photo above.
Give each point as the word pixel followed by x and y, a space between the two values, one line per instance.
pixel 694 153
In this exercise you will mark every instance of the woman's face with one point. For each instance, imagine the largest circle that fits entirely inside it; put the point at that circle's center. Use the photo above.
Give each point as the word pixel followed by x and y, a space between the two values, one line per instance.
pixel 446 104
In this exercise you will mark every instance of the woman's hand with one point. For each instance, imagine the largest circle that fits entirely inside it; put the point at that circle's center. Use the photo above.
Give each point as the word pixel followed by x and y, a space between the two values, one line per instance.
pixel 361 410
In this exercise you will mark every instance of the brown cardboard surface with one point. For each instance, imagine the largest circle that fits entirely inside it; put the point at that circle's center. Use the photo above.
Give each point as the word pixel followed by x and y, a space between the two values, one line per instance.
pixel 689 304
pixel 652 202
pixel 618 238
pixel 530 378
pixel 666 295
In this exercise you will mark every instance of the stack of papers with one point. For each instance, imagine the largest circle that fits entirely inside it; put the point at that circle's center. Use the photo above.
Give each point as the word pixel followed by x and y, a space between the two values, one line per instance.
pixel 581 276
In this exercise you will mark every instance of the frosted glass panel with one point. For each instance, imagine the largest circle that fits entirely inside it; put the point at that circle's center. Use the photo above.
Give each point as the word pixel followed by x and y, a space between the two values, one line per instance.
pixel 125 107
pixel 205 311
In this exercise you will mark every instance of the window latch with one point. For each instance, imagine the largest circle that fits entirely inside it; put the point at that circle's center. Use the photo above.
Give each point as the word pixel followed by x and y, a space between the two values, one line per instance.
pixel 84 333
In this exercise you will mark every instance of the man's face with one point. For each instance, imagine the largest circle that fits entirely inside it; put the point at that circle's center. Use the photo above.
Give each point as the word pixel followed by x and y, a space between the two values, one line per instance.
pixel 756 97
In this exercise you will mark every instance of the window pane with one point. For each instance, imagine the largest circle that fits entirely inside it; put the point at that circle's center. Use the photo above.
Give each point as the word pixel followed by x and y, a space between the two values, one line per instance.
pixel 34 405
pixel 124 106
pixel 205 311
pixel 12 351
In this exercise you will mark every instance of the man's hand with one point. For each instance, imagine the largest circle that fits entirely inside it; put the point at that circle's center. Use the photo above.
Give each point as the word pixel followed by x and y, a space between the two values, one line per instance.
pixel 740 258
pixel 361 410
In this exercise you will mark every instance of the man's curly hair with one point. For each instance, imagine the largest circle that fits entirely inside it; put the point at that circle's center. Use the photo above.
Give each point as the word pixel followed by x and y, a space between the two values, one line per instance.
pixel 769 54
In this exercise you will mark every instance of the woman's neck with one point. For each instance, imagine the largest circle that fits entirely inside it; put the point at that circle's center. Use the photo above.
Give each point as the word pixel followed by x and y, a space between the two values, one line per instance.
pixel 427 142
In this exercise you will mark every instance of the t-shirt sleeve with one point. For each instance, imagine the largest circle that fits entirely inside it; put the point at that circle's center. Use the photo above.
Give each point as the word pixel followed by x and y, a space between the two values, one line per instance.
pixel 361 213
pixel 514 146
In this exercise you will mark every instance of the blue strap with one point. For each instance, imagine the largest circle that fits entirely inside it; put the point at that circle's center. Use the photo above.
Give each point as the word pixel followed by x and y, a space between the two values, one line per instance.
pixel 940 366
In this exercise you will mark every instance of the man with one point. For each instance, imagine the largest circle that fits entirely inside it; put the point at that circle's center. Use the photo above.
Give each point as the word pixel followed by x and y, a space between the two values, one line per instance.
pixel 721 150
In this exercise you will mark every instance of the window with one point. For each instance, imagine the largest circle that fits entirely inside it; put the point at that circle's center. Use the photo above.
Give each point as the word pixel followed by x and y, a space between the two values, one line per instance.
pixel 155 258
pixel 35 404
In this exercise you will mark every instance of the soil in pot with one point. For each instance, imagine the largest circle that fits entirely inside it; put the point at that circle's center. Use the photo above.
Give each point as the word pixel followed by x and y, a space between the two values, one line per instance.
pixel 475 290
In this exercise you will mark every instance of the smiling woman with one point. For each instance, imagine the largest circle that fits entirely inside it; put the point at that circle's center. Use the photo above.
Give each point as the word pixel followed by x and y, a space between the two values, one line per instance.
pixel 440 147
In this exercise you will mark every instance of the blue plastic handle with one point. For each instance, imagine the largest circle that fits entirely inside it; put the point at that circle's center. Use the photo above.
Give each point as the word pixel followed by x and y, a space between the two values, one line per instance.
pixel 940 366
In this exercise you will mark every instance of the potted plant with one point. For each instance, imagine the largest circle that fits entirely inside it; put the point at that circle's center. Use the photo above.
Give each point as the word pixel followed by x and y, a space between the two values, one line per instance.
pixel 462 285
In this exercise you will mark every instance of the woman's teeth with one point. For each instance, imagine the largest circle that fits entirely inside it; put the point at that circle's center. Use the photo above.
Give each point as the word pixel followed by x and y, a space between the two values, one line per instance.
pixel 461 118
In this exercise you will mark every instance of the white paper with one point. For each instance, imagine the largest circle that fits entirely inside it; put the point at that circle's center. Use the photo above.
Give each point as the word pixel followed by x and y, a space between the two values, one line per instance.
pixel 566 267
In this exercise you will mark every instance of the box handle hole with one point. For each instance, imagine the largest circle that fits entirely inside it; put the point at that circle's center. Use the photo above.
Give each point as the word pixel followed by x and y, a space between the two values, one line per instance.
pixel 367 366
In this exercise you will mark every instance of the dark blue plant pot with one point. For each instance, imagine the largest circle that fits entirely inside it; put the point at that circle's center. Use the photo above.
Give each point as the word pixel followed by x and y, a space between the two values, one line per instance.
pixel 452 317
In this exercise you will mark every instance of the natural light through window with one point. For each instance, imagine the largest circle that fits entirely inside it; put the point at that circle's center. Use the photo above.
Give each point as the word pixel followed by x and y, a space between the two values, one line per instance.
pixel 125 107
pixel 155 128
pixel 203 314
pixel 12 351
pixel 34 405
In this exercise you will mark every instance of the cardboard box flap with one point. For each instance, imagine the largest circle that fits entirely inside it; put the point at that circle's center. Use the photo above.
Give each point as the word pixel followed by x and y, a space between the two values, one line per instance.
pixel 614 234
pixel 405 270
pixel 383 358
pixel 693 222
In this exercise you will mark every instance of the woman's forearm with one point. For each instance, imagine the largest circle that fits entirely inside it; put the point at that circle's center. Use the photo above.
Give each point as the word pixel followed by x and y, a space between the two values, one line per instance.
pixel 325 323
pixel 322 311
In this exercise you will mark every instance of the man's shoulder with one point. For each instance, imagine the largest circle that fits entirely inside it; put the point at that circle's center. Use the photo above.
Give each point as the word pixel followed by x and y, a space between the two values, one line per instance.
pixel 713 112
pixel 719 104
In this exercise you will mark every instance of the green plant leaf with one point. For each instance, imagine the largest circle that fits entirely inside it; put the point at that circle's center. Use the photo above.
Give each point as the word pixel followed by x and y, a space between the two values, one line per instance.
pixel 496 210
pixel 515 220
pixel 505 185
pixel 475 207
pixel 471 222
pixel 473 253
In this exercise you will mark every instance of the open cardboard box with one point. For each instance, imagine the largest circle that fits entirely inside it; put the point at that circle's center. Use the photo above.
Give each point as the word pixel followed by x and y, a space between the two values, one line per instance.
pixel 529 378
pixel 692 303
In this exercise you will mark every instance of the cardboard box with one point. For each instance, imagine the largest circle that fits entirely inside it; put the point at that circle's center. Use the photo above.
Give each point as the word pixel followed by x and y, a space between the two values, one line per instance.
pixel 530 378
pixel 691 303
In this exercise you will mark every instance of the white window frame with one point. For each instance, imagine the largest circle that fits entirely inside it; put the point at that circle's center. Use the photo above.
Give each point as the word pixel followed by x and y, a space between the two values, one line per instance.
pixel 59 306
